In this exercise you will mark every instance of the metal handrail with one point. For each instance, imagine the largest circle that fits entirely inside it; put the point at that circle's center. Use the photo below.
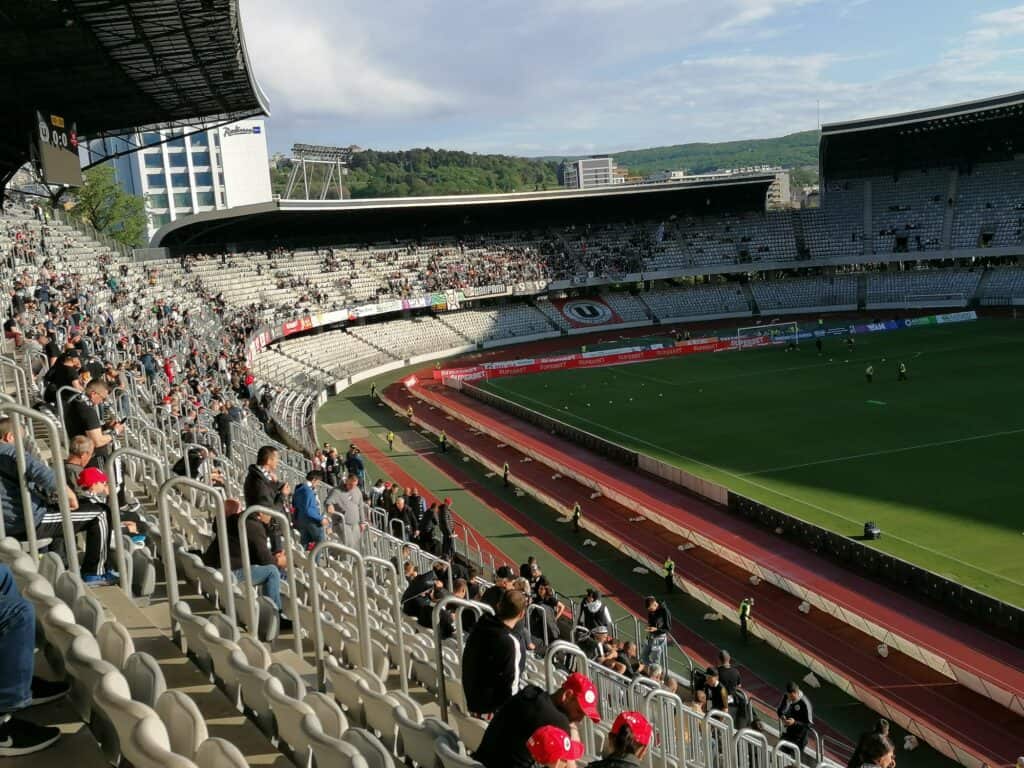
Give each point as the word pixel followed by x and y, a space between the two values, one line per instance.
pixel 170 567
pixel 250 589
pixel 60 481
pixel 20 384
pixel 396 608
pixel 569 649
pixel 115 506
pixel 460 605
pixel 360 599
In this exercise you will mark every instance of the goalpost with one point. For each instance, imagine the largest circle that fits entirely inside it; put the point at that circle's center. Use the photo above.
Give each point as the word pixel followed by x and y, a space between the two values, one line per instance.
pixel 777 333
pixel 951 299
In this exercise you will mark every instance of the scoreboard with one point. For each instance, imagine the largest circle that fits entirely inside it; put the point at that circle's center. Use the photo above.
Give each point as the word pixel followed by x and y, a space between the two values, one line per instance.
pixel 56 143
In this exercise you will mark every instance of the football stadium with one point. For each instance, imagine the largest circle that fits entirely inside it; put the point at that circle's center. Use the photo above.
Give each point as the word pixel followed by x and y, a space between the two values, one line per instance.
pixel 656 473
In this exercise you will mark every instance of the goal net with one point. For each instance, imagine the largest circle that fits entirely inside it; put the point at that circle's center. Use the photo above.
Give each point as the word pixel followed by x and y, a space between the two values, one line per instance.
pixel 776 333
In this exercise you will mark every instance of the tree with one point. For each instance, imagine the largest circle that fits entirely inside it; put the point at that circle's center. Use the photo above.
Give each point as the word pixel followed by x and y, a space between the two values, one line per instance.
pixel 109 209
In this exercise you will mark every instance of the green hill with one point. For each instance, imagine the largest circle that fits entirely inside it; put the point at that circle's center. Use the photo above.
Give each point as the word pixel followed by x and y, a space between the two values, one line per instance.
pixel 418 172
pixel 793 151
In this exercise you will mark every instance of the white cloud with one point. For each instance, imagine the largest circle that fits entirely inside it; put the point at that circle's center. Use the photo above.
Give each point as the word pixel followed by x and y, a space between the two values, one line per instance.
pixel 567 76
pixel 313 69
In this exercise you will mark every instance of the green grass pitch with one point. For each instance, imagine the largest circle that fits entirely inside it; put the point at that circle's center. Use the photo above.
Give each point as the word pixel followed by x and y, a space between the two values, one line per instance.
pixel 935 461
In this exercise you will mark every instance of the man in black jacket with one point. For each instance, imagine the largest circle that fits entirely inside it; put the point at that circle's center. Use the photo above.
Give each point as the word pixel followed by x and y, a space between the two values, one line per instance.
pixel 417 594
pixel 490 661
pixel 504 741
pixel 261 487
pixel 263 568
pixel 447 526
pixel 796 715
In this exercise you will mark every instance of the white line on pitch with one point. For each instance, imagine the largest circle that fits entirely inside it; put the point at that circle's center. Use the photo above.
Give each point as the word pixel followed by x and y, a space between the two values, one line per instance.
pixel 883 452
pixel 766 488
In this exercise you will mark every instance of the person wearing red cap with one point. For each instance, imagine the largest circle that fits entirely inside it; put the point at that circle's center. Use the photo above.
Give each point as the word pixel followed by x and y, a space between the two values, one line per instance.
pixel 552 747
pixel 630 738
pixel 504 741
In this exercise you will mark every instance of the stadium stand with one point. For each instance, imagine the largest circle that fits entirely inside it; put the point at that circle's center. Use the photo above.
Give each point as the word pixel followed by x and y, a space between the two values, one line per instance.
pixel 990 206
pixel 712 299
pixel 133 710
pixel 507 322
pixel 1004 284
pixel 934 286
pixel 837 292
pixel 907 212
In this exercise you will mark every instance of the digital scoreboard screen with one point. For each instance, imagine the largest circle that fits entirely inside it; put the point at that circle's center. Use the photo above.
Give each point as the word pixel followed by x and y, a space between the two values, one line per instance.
pixel 57 145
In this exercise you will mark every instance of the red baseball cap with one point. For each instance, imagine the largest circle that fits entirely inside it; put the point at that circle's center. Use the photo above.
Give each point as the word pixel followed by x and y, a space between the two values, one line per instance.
pixel 90 476
pixel 638 726
pixel 586 694
pixel 549 744
pixel 447 501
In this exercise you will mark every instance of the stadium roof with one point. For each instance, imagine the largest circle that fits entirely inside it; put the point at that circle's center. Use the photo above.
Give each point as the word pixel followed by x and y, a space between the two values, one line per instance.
pixel 304 222
pixel 989 128
pixel 115 65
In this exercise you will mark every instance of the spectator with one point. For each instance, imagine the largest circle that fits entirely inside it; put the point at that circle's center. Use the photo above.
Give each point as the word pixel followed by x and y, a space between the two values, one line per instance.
pixel 376 492
pixel 504 741
pixel 522 630
pixel 261 486
pixel 45 514
pixel 426 524
pixel 629 740
pixel 797 717
pixel 728 675
pixel 79 456
pixel 700 701
pixel 332 466
pixel 659 624
pixel 503 577
pixel 222 423
pixel 551 747
pixel 354 465
pixel 594 613
pixel 348 504
pixel 402 521
pixel 878 751
pixel 264 566
pixel 491 659
pixel 446 524
pixel 309 520
pixel 82 417
pixel 595 644
pixel 18 688
pixel 446 617
pixel 629 658
pixel 421 585
pixel 718 697
pixel 859 756
pixel 526 569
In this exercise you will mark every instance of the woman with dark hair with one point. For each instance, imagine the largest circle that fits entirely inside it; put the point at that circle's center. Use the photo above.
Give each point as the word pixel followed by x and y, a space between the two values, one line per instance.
pixel 878 752
pixel 857 759
pixel 629 740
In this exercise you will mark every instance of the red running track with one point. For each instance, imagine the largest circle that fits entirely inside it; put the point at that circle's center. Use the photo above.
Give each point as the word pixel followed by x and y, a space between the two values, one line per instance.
pixel 978 729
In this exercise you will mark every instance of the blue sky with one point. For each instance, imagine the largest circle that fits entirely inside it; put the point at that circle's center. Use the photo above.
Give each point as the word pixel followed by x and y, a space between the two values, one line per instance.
pixel 533 77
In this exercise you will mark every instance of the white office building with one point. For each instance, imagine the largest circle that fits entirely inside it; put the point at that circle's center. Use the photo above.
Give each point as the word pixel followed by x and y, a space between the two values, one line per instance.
pixel 590 172
pixel 183 171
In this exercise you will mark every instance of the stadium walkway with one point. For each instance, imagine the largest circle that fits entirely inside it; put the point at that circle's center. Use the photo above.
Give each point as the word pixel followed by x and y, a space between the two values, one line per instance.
pixel 978 729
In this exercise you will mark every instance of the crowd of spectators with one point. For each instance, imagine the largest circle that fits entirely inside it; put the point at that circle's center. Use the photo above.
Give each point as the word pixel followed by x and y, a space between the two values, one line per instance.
pixel 94 347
